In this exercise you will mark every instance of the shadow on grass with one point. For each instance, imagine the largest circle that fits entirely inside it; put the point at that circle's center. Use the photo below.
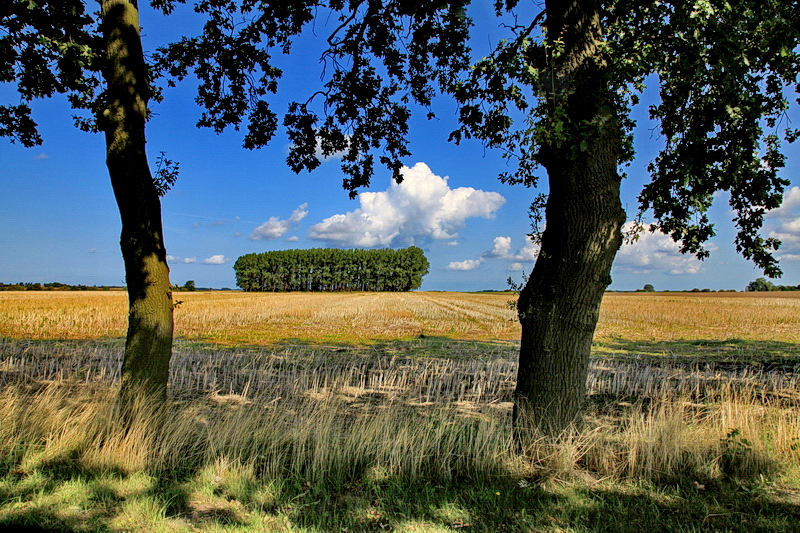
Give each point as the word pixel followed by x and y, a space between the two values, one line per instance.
pixel 487 506
pixel 505 506
pixel 731 354
pixel 367 501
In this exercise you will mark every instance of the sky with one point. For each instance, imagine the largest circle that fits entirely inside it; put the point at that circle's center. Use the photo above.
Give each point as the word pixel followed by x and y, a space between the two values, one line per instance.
pixel 59 221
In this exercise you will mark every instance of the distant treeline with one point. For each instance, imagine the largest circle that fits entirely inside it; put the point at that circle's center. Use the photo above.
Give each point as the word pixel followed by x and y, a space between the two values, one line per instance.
pixel 331 269
pixel 763 285
pixel 54 286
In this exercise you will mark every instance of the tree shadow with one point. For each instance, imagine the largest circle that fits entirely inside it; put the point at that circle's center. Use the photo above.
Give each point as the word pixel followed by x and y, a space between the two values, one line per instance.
pixel 726 354
pixel 508 505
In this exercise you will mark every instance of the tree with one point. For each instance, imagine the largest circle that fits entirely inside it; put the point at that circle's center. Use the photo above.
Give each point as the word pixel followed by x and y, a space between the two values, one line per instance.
pixel 54 46
pixel 722 69
pixel 648 288
pixel 332 269
pixel 760 285
pixel 558 95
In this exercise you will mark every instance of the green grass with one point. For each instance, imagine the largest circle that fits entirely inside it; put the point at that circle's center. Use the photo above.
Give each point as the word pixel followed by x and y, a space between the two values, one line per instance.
pixel 104 502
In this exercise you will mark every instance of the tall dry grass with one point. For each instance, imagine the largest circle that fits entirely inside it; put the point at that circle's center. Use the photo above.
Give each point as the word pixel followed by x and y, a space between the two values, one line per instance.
pixel 324 440
pixel 311 412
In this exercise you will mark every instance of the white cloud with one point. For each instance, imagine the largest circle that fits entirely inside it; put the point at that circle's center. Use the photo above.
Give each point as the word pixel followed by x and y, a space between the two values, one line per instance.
pixel 293 238
pixel 275 228
pixel 175 259
pixel 656 252
pixel 216 260
pixel 42 156
pixel 502 247
pixel 422 207
pixel 502 250
pixel 469 264
pixel 785 225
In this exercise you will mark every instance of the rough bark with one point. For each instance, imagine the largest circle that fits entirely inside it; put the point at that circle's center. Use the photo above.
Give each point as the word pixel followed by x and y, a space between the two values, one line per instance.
pixel 559 306
pixel 148 346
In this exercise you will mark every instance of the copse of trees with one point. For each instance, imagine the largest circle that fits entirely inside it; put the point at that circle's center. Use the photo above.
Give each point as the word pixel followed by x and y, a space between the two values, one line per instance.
pixel 764 285
pixel 329 269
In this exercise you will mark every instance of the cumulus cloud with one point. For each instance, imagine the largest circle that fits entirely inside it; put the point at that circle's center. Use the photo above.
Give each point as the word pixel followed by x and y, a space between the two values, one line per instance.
pixel 275 228
pixel 422 207
pixel 785 225
pixel 293 238
pixel 216 260
pixel 469 264
pixel 502 250
pixel 175 259
pixel 502 247
pixel 656 252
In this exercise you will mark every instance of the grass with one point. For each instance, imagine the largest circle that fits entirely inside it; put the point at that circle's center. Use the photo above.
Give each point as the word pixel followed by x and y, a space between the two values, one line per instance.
pixel 688 430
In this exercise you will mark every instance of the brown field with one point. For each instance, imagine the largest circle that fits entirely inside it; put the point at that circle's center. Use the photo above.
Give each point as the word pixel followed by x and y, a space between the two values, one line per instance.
pixel 234 318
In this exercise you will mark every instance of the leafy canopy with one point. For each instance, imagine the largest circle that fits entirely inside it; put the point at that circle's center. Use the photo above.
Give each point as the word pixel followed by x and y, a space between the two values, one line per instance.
pixel 724 70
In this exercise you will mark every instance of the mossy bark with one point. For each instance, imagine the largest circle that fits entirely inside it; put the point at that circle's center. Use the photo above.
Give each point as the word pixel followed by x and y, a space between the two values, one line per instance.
pixel 560 304
pixel 148 347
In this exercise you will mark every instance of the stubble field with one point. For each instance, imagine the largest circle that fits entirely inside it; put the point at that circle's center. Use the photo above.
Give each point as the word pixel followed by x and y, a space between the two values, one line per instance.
pixel 389 412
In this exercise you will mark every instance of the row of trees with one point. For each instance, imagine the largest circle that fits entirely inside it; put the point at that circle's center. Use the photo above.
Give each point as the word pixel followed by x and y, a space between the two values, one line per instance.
pixel 53 286
pixel 331 269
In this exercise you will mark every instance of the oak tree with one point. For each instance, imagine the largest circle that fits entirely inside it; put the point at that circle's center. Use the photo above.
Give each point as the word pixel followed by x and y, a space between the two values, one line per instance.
pixel 557 97
pixel 59 47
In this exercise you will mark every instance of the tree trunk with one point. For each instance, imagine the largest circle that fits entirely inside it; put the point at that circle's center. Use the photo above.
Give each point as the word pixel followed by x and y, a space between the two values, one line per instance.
pixel 148 347
pixel 560 304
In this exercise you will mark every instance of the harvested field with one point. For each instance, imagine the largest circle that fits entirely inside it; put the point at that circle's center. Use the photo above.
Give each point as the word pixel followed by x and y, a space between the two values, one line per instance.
pixel 236 318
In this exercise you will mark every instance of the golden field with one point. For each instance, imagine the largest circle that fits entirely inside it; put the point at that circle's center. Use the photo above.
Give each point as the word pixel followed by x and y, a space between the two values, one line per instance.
pixel 358 318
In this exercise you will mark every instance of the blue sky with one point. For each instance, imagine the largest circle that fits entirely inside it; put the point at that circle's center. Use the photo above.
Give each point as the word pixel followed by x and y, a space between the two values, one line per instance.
pixel 58 219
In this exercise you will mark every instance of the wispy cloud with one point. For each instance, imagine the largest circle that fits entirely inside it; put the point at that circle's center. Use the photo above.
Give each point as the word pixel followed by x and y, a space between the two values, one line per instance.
pixel 224 222
pixel 175 259
pixel 422 207
pixel 42 156
pixel 275 228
